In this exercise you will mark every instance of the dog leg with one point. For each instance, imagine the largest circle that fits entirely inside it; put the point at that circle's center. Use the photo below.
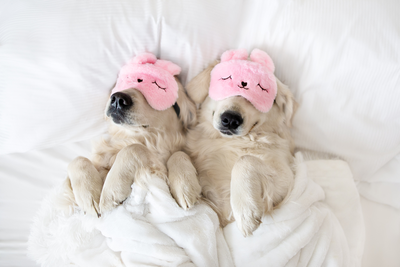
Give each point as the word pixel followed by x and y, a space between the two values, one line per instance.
pixel 183 182
pixel 86 183
pixel 256 187
pixel 133 164
pixel 246 194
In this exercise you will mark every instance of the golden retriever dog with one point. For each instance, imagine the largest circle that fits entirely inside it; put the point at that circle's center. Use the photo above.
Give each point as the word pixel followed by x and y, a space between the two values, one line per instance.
pixel 243 157
pixel 140 141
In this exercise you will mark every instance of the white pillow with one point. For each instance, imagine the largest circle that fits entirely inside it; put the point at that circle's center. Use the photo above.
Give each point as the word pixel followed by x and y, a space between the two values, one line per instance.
pixel 59 60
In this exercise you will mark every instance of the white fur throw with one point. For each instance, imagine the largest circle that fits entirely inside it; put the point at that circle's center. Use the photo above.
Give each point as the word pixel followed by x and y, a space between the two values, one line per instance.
pixel 150 229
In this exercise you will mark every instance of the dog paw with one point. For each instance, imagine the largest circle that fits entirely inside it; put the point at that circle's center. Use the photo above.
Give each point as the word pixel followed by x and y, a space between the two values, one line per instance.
pixel 186 193
pixel 248 223
pixel 112 196
pixel 183 182
pixel 85 200
pixel 247 215
pixel 85 183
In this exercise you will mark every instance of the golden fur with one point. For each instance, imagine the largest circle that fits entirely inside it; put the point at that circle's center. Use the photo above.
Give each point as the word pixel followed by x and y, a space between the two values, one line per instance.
pixel 249 173
pixel 147 141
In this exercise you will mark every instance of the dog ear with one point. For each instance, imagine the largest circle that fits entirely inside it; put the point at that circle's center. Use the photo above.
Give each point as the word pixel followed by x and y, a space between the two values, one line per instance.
pixel 187 109
pixel 197 88
pixel 285 101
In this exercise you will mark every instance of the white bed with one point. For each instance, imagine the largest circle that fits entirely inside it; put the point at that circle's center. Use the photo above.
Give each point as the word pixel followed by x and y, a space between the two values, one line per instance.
pixel 59 60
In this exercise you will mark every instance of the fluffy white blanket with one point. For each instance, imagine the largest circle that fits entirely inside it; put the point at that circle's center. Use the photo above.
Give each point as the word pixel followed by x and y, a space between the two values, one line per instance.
pixel 150 229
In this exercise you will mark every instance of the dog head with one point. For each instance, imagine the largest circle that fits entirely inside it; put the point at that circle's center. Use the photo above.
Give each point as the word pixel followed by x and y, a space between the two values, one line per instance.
pixel 238 111
pixel 147 95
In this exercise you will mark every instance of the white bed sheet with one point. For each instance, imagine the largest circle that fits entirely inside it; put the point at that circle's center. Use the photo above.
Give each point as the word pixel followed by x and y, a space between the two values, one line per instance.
pixel 26 178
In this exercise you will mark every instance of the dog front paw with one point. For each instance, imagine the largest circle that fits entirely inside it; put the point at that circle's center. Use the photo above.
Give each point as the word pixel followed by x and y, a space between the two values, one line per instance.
pixel 113 194
pixel 183 182
pixel 185 191
pixel 86 201
pixel 85 183
pixel 247 213
pixel 247 222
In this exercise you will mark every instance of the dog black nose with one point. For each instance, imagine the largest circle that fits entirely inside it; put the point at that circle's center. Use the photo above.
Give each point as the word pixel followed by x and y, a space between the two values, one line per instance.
pixel 244 84
pixel 121 101
pixel 231 120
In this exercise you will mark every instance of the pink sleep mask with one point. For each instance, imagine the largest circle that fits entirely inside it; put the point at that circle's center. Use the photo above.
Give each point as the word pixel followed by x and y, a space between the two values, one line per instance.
pixel 153 78
pixel 237 76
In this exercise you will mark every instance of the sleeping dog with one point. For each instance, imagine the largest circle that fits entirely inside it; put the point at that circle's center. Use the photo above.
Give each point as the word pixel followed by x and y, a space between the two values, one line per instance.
pixel 148 115
pixel 241 146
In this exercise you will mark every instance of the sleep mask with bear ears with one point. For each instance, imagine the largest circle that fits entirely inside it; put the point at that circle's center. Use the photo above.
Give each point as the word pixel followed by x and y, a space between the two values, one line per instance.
pixel 252 79
pixel 153 78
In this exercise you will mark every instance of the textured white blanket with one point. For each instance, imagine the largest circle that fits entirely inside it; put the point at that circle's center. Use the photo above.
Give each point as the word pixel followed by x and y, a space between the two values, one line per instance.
pixel 150 229
pixel 303 232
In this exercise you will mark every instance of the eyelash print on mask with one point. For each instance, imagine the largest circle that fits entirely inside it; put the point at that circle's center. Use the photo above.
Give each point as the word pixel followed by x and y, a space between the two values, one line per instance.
pixel 165 89
pixel 229 77
pixel 262 88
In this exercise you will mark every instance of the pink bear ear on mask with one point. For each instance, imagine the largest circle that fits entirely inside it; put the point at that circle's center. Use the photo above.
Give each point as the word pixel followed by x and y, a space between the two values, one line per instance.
pixel 168 66
pixel 144 58
pixel 263 58
pixel 240 54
